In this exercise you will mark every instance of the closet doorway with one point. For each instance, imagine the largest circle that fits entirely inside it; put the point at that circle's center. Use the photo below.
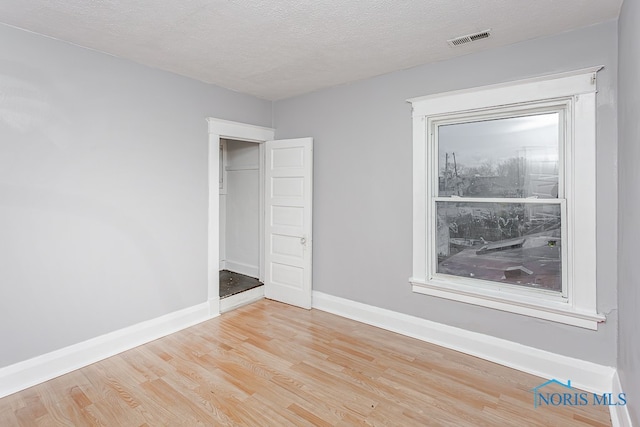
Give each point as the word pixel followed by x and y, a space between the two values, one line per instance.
pixel 284 170
pixel 241 218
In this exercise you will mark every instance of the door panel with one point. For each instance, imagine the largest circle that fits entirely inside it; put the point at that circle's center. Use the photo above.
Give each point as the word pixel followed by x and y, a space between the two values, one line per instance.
pixel 287 216
pixel 287 246
pixel 288 199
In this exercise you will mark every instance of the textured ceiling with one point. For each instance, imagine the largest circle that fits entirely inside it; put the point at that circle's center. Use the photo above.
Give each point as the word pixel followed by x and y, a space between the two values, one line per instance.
pixel 280 48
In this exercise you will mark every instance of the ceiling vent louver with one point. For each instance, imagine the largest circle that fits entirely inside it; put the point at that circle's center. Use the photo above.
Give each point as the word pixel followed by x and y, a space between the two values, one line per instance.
pixel 469 38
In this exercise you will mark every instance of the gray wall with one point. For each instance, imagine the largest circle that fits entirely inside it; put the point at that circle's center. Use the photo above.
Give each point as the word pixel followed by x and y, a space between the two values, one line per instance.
pixel 629 205
pixel 362 185
pixel 103 191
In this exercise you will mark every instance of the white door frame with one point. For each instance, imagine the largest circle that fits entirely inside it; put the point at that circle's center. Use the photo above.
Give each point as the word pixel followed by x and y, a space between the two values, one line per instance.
pixel 219 128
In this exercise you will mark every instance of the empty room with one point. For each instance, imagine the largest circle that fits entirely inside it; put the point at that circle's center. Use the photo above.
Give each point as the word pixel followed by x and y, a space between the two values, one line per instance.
pixel 295 213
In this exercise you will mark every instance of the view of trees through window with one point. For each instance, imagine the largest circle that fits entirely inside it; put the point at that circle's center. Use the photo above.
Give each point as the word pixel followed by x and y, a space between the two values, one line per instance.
pixel 501 241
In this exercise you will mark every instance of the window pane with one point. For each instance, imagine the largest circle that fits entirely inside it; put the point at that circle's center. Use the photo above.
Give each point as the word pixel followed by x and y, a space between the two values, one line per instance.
pixel 512 157
pixel 517 243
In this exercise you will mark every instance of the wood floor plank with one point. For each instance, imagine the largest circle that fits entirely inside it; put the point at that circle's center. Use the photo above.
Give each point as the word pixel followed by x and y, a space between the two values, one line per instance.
pixel 271 364
pixel 273 412
pixel 8 417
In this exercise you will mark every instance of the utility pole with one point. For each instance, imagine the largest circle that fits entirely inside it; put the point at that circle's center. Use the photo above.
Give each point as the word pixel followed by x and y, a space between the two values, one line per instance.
pixel 455 170
pixel 446 170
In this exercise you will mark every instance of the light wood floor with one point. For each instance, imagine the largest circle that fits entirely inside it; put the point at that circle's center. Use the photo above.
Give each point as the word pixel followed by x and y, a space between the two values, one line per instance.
pixel 270 364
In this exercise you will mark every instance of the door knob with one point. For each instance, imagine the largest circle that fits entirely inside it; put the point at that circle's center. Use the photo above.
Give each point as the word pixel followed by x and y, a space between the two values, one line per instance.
pixel 303 241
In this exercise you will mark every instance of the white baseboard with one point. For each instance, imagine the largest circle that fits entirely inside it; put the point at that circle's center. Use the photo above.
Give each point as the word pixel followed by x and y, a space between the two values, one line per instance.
pixel 584 375
pixel 22 375
pixel 620 416
pixel 243 298
pixel 242 268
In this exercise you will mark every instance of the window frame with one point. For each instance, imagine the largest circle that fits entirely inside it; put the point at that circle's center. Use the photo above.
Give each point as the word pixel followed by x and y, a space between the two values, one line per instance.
pixel 560 106
pixel 574 93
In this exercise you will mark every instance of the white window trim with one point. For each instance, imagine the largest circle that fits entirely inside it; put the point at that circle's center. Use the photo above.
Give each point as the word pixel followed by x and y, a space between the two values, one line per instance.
pixel 578 88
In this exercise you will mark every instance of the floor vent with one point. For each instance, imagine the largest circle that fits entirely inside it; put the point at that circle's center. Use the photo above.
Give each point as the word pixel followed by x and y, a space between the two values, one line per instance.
pixel 469 38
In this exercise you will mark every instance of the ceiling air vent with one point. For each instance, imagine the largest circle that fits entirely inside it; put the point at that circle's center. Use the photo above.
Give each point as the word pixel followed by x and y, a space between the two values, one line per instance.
pixel 469 38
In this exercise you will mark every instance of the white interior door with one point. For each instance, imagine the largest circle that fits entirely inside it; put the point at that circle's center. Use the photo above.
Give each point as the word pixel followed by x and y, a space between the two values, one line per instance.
pixel 288 240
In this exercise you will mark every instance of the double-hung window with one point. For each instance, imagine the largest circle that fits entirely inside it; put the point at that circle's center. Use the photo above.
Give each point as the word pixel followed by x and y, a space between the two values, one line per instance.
pixel 504 197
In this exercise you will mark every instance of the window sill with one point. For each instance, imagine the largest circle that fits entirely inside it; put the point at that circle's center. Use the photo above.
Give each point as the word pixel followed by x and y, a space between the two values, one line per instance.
pixel 554 311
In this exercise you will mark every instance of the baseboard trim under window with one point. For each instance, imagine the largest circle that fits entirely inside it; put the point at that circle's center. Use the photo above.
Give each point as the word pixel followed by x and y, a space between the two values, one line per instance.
pixel 585 375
